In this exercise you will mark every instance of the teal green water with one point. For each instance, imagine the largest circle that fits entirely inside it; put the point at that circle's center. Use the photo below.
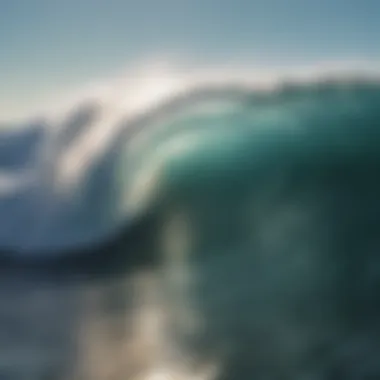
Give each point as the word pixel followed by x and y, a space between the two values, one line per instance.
pixel 229 143
pixel 262 255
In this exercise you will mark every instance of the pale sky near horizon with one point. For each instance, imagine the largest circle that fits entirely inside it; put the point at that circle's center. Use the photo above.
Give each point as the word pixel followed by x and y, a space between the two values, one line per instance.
pixel 48 47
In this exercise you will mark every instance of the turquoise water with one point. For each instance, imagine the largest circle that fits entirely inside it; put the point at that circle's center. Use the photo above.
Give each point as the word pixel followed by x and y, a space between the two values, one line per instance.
pixel 249 245
pixel 232 142
pixel 269 207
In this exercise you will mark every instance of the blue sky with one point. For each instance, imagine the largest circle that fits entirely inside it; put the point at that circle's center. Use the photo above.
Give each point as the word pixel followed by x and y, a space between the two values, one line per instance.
pixel 51 46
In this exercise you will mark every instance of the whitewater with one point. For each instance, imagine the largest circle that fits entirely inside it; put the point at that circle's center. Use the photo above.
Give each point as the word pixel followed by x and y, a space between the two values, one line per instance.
pixel 74 173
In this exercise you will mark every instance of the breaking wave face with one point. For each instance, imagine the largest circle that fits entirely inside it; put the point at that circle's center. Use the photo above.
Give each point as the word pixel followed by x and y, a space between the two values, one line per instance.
pixel 66 177
pixel 264 250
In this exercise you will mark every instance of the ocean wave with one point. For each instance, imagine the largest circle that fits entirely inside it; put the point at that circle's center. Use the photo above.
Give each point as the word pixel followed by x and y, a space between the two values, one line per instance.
pixel 73 177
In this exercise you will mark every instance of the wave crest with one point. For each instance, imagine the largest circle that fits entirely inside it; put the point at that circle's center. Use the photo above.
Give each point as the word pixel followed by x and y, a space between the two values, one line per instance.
pixel 70 178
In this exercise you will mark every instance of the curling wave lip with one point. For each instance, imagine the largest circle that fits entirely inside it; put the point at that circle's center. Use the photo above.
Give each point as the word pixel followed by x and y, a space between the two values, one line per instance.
pixel 75 195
